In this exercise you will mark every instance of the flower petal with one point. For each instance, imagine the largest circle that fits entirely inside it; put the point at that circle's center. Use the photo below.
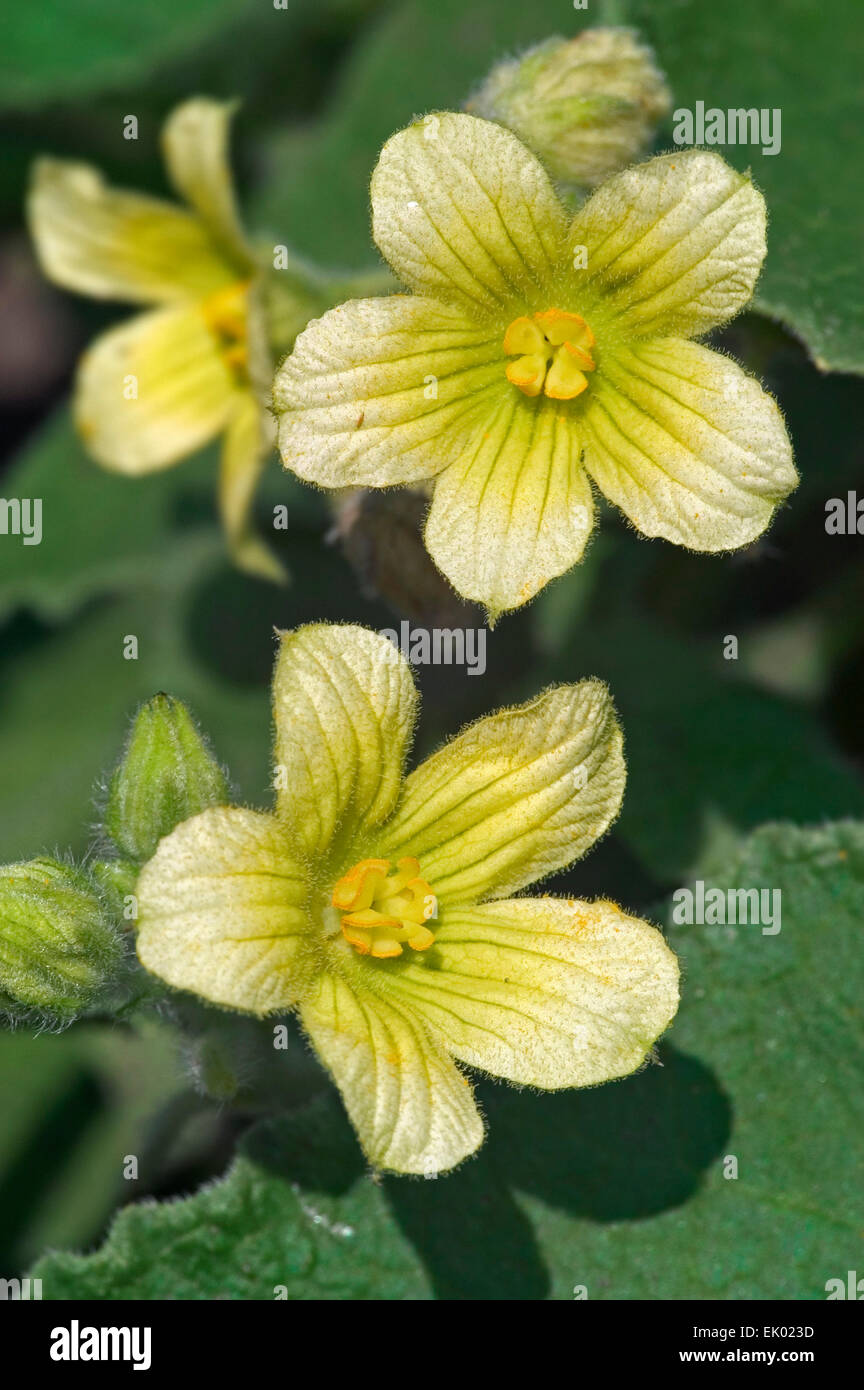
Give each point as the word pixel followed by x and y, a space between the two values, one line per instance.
pixel 380 391
pixel 542 991
pixel 687 445
pixel 515 797
pixel 244 453
pixel 195 144
pixel 152 391
pixel 412 1109
pixel 676 244
pixel 221 912
pixel 515 509
pixel 344 703
pixel 114 245
pixel 464 212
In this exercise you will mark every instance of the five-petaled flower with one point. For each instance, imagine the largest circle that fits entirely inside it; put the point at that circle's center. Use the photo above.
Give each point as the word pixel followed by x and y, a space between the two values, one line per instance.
pixel 158 388
pixel 538 352
pixel 382 908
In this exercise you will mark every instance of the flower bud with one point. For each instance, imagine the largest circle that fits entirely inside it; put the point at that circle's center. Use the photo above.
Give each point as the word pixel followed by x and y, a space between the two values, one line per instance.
pixel 167 774
pixel 58 948
pixel 116 880
pixel 587 106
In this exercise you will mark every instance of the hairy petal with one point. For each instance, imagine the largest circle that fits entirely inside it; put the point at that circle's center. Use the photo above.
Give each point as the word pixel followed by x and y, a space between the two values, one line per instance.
pixel 344 703
pixel 463 211
pixel 515 797
pixel 382 391
pixel 195 143
pixel 688 445
pixel 114 245
pixel 542 991
pixel 412 1109
pixel 221 912
pixel 675 244
pixel 515 509
pixel 152 391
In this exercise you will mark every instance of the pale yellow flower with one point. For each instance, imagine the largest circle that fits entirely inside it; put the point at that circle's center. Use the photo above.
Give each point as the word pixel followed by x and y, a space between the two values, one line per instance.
pixel 159 387
pixel 382 907
pixel 540 352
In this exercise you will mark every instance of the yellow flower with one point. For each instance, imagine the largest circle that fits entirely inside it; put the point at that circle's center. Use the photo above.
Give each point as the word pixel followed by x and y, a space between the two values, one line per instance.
pixel 539 351
pixel 382 908
pixel 161 386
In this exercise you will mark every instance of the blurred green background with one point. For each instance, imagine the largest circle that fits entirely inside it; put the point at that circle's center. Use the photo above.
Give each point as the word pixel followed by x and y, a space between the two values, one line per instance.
pixel 622 1189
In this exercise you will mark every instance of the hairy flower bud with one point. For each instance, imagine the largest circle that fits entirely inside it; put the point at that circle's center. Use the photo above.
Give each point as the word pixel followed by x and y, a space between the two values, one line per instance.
pixel 167 774
pixel 58 948
pixel 587 106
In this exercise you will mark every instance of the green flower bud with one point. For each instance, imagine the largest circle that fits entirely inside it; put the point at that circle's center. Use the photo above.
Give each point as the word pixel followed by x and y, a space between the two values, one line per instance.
pixel 58 948
pixel 116 880
pixel 587 106
pixel 167 774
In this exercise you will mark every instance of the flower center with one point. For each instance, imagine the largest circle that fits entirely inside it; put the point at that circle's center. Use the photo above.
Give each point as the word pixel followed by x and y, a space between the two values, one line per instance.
pixel 225 312
pixel 554 354
pixel 381 910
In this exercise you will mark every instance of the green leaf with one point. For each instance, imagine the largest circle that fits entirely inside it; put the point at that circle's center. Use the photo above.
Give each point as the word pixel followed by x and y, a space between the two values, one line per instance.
pixel 708 752
pixel 620 1189
pixel 777 1018
pixel 99 530
pixel 74 1104
pixel 761 1064
pixel 257 1232
pixel 54 51
pixel 808 67
pixel 68 697
pixel 102 531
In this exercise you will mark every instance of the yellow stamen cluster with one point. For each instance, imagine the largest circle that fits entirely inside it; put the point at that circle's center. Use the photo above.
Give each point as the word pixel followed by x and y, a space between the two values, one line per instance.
pixel 226 314
pixel 554 354
pixel 383 909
